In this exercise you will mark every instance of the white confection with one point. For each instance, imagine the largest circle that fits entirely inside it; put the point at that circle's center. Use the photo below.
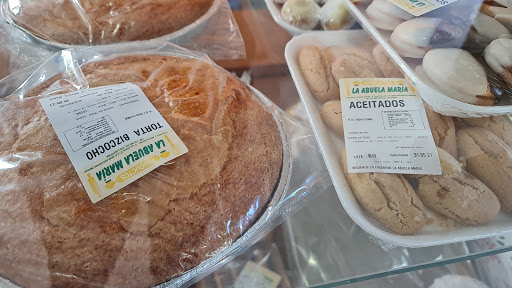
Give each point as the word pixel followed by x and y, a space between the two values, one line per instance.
pixel 418 31
pixel 301 13
pixel 385 15
pixel 412 38
pixel 406 49
pixel 448 91
pixel 502 15
pixel 334 13
pixel 499 54
pixel 489 28
pixel 457 281
pixel 455 72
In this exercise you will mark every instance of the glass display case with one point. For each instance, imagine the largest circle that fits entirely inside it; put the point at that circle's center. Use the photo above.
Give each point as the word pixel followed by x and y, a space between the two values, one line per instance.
pixel 320 246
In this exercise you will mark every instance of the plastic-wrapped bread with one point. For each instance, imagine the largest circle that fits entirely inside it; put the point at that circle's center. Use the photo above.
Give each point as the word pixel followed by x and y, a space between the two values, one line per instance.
pixel 163 224
pixel 95 22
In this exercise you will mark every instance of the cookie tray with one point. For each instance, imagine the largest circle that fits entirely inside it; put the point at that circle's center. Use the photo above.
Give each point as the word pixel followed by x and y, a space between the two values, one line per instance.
pixel 437 100
pixel 332 145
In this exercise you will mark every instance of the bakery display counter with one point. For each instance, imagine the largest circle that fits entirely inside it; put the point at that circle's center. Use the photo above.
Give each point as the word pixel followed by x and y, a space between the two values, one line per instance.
pixel 320 246
pixel 324 237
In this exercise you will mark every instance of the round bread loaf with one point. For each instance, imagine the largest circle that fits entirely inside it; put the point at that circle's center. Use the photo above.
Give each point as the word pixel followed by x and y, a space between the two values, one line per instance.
pixel 163 224
pixel 94 22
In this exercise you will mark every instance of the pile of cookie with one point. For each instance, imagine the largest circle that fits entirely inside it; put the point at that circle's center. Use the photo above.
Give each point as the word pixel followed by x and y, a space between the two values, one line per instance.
pixel 307 14
pixel 459 45
pixel 475 153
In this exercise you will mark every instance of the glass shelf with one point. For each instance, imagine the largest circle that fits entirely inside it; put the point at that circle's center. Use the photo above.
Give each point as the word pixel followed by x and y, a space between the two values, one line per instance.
pixel 331 250
pixel 320 246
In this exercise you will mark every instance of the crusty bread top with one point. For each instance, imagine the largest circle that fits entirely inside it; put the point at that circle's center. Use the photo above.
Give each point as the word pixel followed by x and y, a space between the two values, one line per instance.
pixel 95 22
pixel 161 225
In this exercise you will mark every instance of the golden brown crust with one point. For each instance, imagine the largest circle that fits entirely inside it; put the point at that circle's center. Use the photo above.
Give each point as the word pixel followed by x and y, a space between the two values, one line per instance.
pixel 443 130
pixel 489 159
pixel 331 114
pixel 388 198
pixel 388 67
pixel 501 126
pixel 316 70
pixel 161 225
pixel 486 100
pixel 456 194
pixel 97 22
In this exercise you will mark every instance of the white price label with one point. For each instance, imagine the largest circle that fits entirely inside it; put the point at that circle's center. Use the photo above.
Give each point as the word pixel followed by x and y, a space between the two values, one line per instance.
pixel 256 276
pixel 112 134
pixel 420 7
pixel 386 128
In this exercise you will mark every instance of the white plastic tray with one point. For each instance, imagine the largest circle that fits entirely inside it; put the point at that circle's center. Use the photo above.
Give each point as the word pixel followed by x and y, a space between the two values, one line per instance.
pixel 438 101
pixel 275 11
pixel 331 146
pixel 276 15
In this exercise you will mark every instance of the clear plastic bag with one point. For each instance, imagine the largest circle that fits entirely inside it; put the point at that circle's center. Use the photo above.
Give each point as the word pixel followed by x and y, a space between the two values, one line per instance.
pixel 182 220
pixel 205 25
pixel 15 52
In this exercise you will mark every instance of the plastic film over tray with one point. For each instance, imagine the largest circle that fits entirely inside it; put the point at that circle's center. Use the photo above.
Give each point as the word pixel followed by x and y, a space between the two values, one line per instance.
pixel 169 221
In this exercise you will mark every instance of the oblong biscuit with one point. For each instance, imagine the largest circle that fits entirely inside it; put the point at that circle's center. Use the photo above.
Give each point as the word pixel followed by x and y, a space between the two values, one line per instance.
pixel 350 67
pixel 443 131
pixel 501 126
pixel 317 73
pixel 456 194
pixel 389 198
pixel 385 63
pixel 331 114
pixel 489 159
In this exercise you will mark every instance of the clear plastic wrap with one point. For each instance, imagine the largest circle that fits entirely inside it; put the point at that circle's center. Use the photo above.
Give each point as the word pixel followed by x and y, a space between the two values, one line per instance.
pixel 15 52
pixel 249 165
pixel 456 55
pixel 203 25
pixel 475 154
